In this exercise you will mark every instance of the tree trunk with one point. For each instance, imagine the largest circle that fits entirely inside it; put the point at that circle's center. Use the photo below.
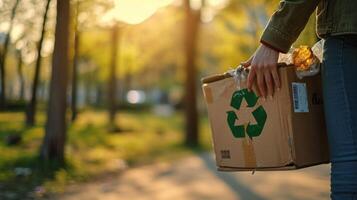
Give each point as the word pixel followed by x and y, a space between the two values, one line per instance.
pixel 75 78
pixel 54 141
pixel 31 108
pixel 191 35
pixel 75 68
pixel 3 57
pixel 112 87
pixel 21 75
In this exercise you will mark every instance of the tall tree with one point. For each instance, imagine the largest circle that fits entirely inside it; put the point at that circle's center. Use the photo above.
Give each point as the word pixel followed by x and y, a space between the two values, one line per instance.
pixel 19 68
pixel 3 56
pixel 191 36
pixel 20 74
pixel 112 82
pixel 75 65
pixel 31 108
pixel 54 141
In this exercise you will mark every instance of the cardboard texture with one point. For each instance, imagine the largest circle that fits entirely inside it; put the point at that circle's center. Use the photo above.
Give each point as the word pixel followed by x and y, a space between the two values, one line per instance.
pixel 287 132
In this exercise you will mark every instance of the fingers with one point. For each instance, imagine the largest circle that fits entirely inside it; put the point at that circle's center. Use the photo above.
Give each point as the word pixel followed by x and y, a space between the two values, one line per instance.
pixel 269 83
pixel 264 78
pixel 255 88
pixel 276 78
pixel 251 75
pixel 261 83
pixel 250 79
pixel 252 83
pixel 263 71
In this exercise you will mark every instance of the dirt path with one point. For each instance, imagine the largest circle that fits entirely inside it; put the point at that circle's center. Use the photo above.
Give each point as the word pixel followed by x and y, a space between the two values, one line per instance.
pixel 196 178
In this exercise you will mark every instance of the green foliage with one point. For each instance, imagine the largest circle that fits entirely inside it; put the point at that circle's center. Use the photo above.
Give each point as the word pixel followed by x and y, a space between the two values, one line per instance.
pixel 92 150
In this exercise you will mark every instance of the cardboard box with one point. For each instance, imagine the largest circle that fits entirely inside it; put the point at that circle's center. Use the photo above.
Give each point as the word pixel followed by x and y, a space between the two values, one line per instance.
pixel 287 132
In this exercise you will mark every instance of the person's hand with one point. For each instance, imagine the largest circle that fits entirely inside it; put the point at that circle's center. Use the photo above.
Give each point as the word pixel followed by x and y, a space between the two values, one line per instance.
pixel 263 71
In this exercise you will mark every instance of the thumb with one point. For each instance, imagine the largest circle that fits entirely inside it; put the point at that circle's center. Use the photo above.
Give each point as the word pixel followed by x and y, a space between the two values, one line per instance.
pixel 248 62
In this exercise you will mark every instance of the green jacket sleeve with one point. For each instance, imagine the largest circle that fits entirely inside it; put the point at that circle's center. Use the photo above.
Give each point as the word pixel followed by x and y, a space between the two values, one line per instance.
pixel 287 22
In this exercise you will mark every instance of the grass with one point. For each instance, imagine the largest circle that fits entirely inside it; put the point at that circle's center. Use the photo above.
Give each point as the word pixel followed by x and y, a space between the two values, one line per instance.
pixel 92 150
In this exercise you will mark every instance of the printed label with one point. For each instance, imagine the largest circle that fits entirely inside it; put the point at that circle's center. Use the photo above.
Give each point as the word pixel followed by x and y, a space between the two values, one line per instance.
pixel 300 97
pixel 225 154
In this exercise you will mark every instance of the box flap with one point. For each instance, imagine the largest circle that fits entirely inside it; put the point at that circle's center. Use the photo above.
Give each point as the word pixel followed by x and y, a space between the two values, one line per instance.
pixel 218 77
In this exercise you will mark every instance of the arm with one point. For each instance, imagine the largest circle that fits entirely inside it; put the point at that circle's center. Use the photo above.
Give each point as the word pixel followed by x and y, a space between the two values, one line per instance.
pixel 282 30
pixel 287 22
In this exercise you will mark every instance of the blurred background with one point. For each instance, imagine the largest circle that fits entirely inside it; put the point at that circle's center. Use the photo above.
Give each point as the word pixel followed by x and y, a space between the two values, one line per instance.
pixel 101 99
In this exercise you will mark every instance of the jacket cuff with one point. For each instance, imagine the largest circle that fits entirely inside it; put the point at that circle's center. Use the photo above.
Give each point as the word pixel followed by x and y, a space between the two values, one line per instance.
pixel 270 46
pixel 273 37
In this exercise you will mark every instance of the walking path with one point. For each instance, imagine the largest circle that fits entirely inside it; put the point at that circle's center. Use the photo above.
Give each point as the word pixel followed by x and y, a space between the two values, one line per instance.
pixel 196 178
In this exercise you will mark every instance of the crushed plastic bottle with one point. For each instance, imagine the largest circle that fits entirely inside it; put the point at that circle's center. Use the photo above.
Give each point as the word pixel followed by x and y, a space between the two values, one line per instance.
pixel 239 74
pixel 318 49
pixel 286 57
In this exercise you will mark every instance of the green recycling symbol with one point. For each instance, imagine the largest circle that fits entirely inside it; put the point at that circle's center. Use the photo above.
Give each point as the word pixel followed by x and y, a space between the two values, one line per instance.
pixel 252 130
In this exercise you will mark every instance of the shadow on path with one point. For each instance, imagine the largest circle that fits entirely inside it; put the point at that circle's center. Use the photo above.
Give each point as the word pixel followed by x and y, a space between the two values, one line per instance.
pixel 241 190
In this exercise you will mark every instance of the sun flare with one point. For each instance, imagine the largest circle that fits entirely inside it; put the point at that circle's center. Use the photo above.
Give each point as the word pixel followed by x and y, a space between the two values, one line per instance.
pixel 135 11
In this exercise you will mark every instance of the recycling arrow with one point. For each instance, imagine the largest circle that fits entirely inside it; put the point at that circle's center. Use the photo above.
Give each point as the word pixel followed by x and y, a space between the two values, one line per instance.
pixel 259 114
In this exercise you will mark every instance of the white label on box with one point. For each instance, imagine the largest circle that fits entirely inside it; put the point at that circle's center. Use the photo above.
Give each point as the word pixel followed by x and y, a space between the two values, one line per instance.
pixel 300 97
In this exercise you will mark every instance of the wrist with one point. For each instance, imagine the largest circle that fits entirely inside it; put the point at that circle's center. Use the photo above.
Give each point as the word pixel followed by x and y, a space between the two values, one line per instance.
pixel 265 44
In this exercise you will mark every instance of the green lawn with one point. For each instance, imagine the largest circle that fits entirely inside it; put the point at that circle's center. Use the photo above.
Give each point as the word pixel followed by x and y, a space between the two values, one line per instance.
pixel 92 151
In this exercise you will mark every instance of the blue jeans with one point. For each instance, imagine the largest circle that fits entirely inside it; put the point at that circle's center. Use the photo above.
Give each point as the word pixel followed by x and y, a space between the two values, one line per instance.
pixel 339 77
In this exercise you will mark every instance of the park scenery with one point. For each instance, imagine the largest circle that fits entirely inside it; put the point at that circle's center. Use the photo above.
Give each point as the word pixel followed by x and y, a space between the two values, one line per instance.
pixel 102 99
